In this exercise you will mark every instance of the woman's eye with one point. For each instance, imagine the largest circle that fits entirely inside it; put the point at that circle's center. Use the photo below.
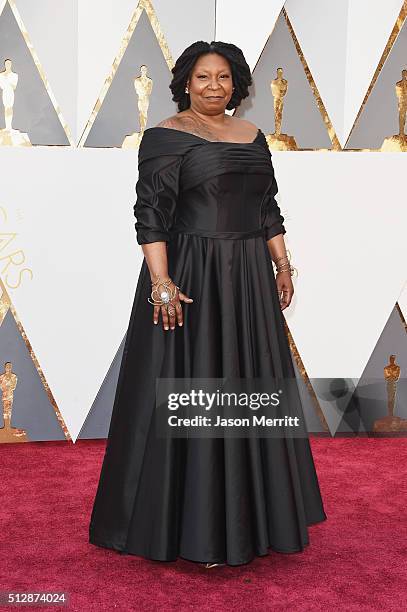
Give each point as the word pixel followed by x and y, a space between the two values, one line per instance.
pixel 222 76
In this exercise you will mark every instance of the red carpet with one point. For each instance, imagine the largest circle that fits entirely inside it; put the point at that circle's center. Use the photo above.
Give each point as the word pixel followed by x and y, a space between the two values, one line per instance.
pixel 357 559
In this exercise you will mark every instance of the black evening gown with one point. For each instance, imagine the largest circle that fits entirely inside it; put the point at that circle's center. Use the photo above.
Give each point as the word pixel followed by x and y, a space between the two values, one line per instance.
pixel 220 500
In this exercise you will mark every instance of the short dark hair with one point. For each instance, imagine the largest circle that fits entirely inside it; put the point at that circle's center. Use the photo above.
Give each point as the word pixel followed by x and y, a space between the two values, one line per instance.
pixel 241 74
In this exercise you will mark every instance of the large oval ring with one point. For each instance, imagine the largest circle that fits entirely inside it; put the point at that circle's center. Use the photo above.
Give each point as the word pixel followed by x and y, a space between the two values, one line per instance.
pixel 165 296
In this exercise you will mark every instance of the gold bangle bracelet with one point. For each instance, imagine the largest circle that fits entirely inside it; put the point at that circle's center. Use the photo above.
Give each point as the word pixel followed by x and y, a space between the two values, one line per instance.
pixel 167 293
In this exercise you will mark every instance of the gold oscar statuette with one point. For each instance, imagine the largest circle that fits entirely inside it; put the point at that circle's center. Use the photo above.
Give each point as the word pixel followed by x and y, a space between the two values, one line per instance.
pixel 391 423
pixel 8 383
pixel 8 135
pixel 278 141
pixel 143 86
pixel 398 142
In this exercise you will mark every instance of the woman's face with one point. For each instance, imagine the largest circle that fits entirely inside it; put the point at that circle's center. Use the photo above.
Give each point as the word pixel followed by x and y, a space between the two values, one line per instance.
pixel 210 84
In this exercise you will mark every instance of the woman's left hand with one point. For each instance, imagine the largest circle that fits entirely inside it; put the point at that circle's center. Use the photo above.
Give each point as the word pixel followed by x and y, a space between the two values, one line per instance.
pixel 285 288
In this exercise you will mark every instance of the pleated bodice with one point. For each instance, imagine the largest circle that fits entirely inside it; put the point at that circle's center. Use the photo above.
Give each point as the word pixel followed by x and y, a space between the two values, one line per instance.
pixel 213 188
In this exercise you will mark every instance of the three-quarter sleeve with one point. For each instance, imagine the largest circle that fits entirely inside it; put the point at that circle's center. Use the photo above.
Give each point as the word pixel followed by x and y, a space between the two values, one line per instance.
pixel 272 219
pixel 157 193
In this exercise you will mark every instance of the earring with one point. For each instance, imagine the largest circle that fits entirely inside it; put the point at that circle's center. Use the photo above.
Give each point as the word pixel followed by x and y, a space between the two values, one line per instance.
pixel 186 90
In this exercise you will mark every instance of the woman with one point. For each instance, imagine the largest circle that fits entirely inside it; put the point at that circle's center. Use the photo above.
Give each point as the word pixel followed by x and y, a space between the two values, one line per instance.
pixel 209 225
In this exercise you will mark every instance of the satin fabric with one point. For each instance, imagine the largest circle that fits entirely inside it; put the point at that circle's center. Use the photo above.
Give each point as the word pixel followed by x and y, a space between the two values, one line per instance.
pixel 206 500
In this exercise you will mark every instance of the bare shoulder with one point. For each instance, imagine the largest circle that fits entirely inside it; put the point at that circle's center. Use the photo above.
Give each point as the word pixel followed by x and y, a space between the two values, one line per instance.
pixel 181 121
pixel 243 124
pixel 242 130
pixel 170 122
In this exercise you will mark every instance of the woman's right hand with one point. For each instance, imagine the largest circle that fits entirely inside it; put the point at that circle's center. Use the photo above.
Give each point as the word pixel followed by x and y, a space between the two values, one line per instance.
pixel 171 312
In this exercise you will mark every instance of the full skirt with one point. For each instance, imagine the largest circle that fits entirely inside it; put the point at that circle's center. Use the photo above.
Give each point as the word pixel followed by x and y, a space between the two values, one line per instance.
pixel 218 500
